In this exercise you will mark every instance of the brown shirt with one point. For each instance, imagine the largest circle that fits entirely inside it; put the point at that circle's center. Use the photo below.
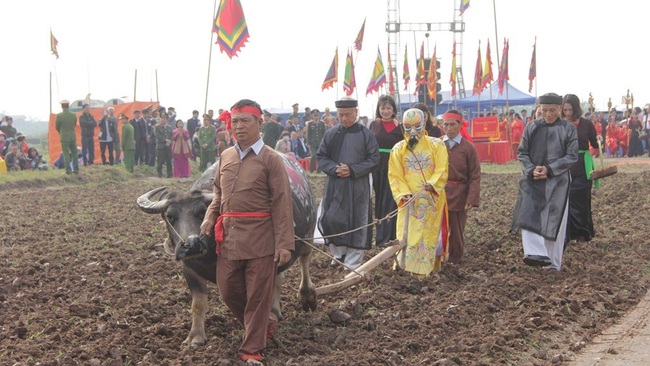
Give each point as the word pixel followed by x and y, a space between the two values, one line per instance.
pixel 256 183
pixel 464 181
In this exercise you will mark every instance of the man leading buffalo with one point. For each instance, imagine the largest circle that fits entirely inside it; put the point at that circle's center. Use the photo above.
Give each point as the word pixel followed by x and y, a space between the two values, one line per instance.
pixel 252 218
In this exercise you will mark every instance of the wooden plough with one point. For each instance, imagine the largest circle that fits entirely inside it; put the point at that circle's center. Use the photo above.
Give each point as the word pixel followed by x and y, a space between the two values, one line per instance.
pixel 358 275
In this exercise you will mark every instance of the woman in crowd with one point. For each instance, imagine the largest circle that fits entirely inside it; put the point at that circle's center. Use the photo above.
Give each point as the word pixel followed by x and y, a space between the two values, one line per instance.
pixel 432 126
pixel 635 147
pixel 612 138
pixel 388 131
pixel 595 151
pixel 223 142
pixel 580 225
pixel 537 114
pixel 284 145
pixel 36 159
pixel 181 150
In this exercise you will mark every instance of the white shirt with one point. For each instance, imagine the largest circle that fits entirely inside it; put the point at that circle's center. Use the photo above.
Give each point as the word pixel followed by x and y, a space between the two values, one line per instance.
pixel 256 147
pixel 452 142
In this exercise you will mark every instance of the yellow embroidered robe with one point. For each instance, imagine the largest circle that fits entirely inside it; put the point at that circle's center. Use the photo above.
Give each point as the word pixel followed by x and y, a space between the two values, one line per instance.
pixel 407 172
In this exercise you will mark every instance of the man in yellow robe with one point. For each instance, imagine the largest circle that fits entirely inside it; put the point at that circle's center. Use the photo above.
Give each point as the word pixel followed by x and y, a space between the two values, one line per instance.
pixel 417 172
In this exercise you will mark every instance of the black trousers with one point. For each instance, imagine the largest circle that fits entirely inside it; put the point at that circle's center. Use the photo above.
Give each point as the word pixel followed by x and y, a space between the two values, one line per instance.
pixel 151 153
pixel 88 149
pixel 165 157
pixel 102 147
pixel 384 204
pixel 140 150
pixel 580 222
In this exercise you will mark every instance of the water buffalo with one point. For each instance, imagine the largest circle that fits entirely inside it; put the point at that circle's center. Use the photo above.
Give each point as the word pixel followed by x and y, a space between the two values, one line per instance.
pixel 183 214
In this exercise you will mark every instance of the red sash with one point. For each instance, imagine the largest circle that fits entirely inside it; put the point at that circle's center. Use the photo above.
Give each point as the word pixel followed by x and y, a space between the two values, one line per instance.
pixel 218 227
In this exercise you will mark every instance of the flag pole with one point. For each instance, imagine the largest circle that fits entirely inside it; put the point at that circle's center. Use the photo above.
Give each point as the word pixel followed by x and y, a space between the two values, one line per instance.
pixel 356 89
pixel 481 90
pixel 496 34
pixel 207 84
pixel 535 68
pixel 50 92
pixel 157 98
pixel 135 85
pixel 56 80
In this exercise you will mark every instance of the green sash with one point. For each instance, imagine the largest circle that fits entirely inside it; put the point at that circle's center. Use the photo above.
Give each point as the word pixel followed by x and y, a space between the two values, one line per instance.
pixel 589 166
pixel 387 151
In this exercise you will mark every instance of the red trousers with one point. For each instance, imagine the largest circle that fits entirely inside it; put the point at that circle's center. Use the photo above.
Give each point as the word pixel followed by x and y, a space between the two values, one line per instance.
pixel 457 220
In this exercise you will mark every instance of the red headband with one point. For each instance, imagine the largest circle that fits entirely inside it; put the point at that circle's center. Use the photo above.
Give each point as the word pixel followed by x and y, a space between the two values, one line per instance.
pixel 247 109
pixel 455 116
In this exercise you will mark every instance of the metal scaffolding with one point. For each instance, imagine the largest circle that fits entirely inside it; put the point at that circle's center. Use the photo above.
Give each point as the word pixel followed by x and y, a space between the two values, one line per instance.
pixel 394 27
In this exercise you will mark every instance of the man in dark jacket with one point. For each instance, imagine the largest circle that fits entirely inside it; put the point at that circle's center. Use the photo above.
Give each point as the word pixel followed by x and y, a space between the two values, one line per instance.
pixel 152 120
pixel 107 134
pixel 7 127
pixel 140 132
pixel 315 131
pixel 88 126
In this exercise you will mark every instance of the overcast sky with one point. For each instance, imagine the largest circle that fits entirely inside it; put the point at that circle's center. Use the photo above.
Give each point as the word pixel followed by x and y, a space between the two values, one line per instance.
pixel 582 46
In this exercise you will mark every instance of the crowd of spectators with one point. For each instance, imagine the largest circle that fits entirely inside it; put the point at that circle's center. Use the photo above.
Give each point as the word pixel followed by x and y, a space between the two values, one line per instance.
pixel 15 153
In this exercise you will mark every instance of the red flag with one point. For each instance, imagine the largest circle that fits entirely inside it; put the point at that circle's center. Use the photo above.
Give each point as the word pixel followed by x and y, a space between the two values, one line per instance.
pixel 359 41
pixel 432 77
pixel 230 26
pixel 503 68
pixel 487 70
pixel 452 77
pixel 53 44
pixel 405 70
pixel 532 71
pixel 478 73
pixel 332 73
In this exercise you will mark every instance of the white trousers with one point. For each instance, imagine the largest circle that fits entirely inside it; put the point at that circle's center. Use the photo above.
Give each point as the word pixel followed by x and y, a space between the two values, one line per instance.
pixel 535 244
pixel 353 257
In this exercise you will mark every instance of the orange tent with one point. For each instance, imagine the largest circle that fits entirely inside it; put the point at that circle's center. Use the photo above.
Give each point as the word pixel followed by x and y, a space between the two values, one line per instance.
pixel 126 108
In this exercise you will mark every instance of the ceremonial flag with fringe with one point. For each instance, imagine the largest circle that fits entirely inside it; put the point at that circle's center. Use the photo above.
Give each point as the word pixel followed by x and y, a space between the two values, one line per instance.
pixel 359 41
pixel 378 77
pixel 464 4
pixel 478 73
pixel 349 81
pixel 421 78
pixel 532 71
pixel 405 70
pixel 452 77
pixel 432 77
pixel 391 75
pixel 230 26
pixel 332 73
pixel 53 44
pixel 503 68
pixel 487 78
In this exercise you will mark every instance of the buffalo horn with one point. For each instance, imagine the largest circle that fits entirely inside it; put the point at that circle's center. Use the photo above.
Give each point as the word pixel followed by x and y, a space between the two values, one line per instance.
pixel 208 197
pixel 146 205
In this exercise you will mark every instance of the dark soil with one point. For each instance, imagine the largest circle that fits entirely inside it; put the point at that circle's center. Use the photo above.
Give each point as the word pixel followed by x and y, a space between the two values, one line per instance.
pixel 85 281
